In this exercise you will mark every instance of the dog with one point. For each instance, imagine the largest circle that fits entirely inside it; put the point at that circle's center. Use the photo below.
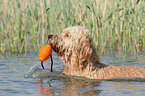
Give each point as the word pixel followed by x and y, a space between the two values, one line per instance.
pixel 75 46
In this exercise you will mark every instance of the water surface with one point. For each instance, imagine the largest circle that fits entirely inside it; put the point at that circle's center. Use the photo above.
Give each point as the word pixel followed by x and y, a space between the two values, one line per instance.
pixel 14 67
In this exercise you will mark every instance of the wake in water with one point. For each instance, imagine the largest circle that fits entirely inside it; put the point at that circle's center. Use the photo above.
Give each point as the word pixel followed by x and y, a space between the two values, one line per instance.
pixel 32 69
pixel 36 72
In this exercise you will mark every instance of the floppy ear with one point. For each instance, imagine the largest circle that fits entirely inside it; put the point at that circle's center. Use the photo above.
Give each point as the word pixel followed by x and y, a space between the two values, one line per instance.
pixel 85 50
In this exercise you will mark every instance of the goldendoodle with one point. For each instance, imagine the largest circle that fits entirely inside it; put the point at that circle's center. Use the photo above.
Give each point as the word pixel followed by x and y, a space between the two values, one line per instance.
pixel 75 46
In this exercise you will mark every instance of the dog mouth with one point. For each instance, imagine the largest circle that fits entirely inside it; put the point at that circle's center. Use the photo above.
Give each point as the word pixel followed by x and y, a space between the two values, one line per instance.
pixel 57 45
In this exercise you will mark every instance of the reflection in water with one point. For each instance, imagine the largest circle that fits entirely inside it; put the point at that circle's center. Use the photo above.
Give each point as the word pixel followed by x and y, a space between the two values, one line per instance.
pixel 69 85
pixel 78 87
pixel 58 84
pixel 44 90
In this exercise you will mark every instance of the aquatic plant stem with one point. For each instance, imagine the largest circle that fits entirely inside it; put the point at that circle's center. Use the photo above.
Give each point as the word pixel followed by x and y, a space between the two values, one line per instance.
pixel 25 24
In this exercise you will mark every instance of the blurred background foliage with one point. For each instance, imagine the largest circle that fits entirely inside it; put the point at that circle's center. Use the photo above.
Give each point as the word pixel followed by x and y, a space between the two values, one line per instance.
pixel 116 25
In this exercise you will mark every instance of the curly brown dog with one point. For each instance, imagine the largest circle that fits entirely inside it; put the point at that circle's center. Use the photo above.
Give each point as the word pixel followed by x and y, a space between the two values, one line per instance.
pixel 75 46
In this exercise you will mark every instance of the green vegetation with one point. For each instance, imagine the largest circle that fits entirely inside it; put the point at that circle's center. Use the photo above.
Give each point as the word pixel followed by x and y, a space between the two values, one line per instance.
pixel 115 24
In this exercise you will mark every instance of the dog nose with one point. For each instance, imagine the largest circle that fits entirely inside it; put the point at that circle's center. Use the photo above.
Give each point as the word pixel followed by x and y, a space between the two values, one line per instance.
pixel 49 36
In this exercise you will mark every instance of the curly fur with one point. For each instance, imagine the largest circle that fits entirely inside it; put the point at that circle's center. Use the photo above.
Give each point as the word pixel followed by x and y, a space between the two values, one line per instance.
pixel 75 46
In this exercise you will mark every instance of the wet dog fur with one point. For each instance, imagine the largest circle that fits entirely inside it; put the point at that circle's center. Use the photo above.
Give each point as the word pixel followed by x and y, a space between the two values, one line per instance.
pixel 75 46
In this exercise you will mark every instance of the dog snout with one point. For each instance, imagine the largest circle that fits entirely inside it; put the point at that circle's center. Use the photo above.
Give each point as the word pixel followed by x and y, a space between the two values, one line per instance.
pixel 50 36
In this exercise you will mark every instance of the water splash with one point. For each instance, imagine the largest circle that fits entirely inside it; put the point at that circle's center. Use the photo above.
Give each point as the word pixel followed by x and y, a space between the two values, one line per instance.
pixel 32 69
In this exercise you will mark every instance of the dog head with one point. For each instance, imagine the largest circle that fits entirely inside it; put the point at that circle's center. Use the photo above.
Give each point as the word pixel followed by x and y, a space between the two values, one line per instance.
pixel 75 46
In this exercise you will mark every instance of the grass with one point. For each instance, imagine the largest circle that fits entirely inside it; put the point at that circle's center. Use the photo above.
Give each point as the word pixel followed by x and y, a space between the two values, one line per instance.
pixel 115 24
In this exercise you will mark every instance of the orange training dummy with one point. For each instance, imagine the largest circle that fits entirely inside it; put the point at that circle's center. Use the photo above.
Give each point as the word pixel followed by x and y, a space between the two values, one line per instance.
pixel 44 53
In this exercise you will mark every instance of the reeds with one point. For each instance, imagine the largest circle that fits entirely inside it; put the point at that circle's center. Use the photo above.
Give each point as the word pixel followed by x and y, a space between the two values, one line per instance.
pixel 114 24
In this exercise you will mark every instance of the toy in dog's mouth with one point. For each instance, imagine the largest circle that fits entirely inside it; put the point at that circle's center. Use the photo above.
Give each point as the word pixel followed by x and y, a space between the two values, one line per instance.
pixel 45 53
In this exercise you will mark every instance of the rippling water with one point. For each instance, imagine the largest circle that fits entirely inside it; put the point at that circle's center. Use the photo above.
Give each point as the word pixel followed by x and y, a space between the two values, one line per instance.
pixel 14 68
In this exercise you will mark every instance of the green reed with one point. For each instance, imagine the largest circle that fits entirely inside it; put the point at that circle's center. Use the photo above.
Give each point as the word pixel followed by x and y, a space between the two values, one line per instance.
pixel 114 24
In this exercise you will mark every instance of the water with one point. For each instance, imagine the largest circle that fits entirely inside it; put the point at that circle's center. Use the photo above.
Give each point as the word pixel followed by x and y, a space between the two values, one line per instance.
pixel 14 68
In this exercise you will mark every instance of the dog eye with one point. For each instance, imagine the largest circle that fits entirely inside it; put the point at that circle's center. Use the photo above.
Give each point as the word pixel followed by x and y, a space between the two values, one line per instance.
pixel 66 35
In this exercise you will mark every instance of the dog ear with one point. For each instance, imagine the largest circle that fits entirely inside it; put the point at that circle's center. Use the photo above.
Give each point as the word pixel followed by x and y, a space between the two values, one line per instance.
pixel 85 50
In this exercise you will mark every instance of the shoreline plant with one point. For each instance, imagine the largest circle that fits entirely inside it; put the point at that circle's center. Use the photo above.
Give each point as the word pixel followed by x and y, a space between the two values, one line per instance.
pixel 114 24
